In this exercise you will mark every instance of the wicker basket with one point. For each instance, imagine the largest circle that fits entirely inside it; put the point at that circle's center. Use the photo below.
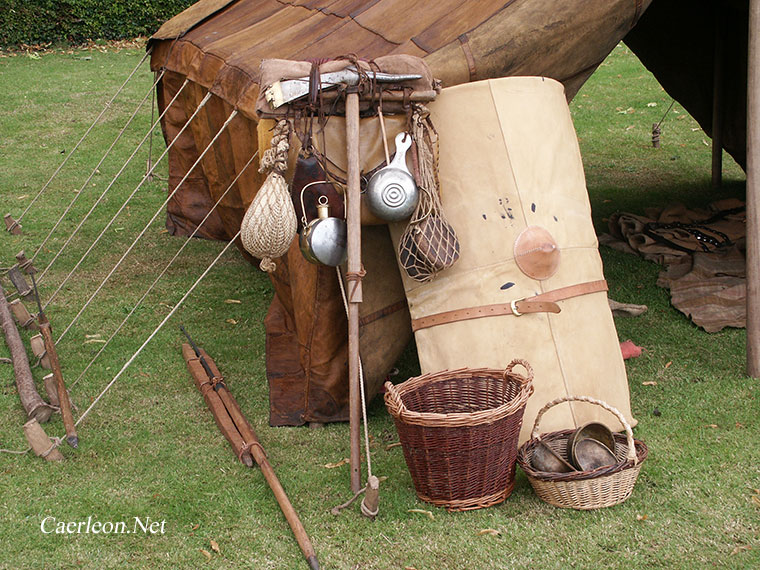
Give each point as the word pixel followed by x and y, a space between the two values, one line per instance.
pixel 584 490
pixel 459 431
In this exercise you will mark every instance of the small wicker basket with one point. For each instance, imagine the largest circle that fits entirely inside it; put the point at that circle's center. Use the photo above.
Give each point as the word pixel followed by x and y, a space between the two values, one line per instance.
pixel 584 490
pixel 459 431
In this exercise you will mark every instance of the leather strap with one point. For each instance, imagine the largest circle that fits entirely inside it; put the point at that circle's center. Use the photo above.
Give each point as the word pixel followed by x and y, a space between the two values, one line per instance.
pixel 464 42
pixel 542 303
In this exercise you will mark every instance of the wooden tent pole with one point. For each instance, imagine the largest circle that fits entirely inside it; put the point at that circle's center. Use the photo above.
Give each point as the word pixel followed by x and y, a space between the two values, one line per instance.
pixel 753 192
pixel 353 274
pixel 717 106
pixel 204 372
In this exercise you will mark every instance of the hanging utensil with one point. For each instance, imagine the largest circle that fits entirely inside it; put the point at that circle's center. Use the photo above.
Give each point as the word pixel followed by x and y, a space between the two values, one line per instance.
pixel 392 193
pixel 324 239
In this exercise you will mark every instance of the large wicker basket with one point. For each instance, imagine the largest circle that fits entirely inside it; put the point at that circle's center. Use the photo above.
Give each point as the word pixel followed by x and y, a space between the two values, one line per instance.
pixel 459 431
pixel 584 490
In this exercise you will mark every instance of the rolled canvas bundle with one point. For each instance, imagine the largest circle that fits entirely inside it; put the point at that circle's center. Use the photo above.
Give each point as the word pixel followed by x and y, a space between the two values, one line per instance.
pixel 513 188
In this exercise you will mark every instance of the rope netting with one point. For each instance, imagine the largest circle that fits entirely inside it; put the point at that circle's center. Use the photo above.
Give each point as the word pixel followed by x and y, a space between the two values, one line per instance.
pixel 429 244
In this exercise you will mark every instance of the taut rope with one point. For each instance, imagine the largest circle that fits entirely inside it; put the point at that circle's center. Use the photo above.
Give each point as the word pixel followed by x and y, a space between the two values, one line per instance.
pixel 158 211
pixel 78 193
pixel 155 332
pixel 124 205
pixel 365 510
pixel 95 122
pixel 110 185
pixel 176 255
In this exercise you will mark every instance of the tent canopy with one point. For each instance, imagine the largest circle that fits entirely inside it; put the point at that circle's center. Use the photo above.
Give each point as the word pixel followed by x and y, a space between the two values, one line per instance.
pixel 220 44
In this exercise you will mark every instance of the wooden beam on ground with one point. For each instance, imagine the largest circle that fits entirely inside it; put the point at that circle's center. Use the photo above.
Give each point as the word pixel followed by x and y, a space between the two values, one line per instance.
pixel 753 192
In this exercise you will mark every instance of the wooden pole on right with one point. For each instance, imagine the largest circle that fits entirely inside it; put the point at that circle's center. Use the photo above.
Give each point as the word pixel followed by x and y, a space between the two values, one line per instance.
pixel 753 192
pixel 717 107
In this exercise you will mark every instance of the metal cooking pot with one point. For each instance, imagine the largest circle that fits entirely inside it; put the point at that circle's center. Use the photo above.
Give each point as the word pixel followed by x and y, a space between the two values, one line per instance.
pixel 324 239
pixel 391 193
pixel 591 446
pixel 546 459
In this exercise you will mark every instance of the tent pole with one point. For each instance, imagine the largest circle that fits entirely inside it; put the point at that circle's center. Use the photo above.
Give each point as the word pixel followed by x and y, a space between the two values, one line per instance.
pixel 353 277
pixel 717 106
pixel 753 192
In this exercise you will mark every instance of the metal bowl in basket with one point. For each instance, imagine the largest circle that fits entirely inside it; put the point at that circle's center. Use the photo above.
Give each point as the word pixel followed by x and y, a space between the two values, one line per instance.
pixel 459 431
pixel 584 490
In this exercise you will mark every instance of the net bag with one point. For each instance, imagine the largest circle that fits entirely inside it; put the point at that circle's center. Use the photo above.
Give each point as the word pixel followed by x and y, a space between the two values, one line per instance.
pixel 270 224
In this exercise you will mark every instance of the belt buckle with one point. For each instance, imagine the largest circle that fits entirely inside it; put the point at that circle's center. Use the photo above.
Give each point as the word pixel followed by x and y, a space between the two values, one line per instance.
pixel 513 307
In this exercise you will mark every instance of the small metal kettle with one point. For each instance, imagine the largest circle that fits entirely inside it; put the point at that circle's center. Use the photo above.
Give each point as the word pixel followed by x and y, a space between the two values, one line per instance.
pixel 391 193
pixel 324 239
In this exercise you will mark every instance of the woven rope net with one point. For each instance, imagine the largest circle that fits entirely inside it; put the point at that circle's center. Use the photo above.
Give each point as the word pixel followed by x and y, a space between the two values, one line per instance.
pixel 429 244
pixel 269 225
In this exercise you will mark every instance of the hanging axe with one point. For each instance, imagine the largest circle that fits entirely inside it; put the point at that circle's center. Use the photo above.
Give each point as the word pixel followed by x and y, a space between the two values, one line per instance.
pixel 63 396
pixel 288 90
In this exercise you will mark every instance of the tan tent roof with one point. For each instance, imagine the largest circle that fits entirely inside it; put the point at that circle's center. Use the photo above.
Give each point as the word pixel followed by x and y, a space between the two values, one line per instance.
pixel 220 43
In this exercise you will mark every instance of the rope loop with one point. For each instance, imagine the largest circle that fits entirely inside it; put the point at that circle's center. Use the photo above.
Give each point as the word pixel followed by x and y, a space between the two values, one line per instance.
pixel 56 442
pixel 275 158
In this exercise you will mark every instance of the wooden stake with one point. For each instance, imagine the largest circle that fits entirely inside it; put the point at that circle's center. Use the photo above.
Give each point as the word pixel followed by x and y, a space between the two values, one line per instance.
pixel 753 192
pixel 51 388
pixel 12 225
pixel 371 497
pixel 24 263
pixel 63 396
pixel 38 349
pixel 354 267
pixel 22 315
pixel 40 443
pixel 19 282
pixel 34 406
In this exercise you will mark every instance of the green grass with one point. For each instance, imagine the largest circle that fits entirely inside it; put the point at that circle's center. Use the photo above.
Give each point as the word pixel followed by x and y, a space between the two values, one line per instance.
pixel 151 449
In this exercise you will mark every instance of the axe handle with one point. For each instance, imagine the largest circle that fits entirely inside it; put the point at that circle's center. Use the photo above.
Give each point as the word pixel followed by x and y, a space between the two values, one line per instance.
pixel 63 395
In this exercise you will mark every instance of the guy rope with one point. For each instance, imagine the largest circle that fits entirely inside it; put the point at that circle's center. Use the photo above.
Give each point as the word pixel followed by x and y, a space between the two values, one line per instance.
pixel 17 223
pixel 155 331
pixel 153 218
pixel 113 181
pixel 166 268
pixel 124 205
pixel 95 170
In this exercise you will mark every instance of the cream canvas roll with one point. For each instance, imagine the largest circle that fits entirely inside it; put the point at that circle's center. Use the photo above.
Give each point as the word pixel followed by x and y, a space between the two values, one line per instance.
pixel 509 161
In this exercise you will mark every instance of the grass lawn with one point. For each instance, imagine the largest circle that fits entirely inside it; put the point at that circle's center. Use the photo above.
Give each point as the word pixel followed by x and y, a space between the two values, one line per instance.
pixel 151 450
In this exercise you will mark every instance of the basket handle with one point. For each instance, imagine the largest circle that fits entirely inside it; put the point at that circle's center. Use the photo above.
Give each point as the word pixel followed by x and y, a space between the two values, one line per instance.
pixel 393 398
pixel 525 364
pixel 628 431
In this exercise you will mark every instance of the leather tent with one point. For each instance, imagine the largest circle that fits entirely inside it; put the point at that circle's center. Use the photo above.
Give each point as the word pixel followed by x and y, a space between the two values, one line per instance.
pixel 218 46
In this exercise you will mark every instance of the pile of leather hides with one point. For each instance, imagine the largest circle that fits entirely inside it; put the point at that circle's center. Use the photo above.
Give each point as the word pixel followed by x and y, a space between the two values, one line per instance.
pixel 703 254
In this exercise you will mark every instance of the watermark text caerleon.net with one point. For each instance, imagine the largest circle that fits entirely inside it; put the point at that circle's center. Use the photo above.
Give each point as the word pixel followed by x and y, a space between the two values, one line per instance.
pixel 138 525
